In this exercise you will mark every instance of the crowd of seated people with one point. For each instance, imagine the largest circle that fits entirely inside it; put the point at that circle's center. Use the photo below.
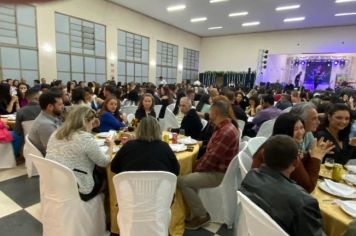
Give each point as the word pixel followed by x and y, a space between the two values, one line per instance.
pixel 316 126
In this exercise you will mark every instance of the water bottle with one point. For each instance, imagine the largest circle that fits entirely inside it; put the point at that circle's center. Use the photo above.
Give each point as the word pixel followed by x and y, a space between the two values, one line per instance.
pixel 353 130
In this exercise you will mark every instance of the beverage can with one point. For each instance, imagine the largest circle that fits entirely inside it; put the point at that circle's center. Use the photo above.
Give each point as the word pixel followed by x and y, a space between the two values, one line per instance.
pixel 166 138
pixel 337 172
pixel 174 137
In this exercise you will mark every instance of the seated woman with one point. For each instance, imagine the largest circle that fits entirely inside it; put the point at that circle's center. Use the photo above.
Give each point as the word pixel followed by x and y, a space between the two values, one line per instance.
pixel 74 146
pixel 203 105
pixel 147 152
pixel 251 110
pixel 110 117
pixel 307 172
pixel 21 91
pixel 336 128
pixel 166 100
pixel 145 107
pixel 9 103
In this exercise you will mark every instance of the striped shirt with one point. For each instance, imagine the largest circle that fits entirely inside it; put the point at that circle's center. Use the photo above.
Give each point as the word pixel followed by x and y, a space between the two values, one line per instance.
pixel 222 148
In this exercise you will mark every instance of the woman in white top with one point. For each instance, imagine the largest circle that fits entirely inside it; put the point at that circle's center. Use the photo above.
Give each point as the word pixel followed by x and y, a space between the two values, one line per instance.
pixel 73 145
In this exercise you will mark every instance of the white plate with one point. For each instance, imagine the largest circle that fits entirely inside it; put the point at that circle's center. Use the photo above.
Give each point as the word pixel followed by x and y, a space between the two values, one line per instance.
pixel 178 147
pixel 350 178
pixel 348 206
pixel 323 186
pixel 103 134
pixel 187 140
pixel 351 168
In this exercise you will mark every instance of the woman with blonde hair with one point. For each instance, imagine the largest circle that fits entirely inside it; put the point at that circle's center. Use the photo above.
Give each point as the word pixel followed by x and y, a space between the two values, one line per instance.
pixel 147 152
pixel 73 146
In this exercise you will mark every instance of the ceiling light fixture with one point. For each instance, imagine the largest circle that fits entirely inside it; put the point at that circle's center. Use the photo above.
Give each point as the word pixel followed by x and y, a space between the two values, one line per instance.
pixel 285 8
pixel 242 13
pixel 294 19
pixel 176 8
pixel 217 1
pixel 215 28
pixel 254 23
pixel 199 19
pixel 346 14
pixel 342 1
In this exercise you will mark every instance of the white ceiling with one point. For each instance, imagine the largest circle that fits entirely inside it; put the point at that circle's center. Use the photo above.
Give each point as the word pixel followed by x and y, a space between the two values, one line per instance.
pixel 318 13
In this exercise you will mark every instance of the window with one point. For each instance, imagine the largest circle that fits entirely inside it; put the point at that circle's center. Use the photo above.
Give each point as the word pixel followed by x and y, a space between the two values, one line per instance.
pixel 18 42
pixel 167 61
pixel 133 54
pixel 81 49
pixel 190 64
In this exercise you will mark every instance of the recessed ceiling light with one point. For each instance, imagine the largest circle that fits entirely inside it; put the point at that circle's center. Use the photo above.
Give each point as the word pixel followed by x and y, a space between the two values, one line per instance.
pixel 254 23
pixel 342 1
pixel 176 8
pixel 215 28
pixel 294 19
pixel 346 14
pixel 285 8
pixel 217 1
pixel 242 13
pixel 199 19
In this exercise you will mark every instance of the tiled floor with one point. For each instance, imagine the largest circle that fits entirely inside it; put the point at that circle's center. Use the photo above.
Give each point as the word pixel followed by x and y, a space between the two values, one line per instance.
pixel 20 208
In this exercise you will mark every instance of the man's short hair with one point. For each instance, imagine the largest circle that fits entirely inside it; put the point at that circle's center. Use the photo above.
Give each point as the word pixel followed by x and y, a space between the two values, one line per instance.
pixel 222 107
pixel 49 98
pixel 268 98
pixel 111 89
pixel 32 92
pixel 279 152
pixel 302 109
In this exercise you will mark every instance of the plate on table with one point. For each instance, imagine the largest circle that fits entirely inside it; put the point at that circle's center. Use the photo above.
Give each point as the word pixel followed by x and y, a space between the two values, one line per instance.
pixel 178 147
pixel 351 168
pixel 338 189
pixel 351 178
pixel 349 207
pixel 103 134
pixel 187 141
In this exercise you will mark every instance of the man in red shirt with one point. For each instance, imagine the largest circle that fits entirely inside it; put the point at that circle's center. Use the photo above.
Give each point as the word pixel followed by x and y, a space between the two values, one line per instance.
pixel 211 167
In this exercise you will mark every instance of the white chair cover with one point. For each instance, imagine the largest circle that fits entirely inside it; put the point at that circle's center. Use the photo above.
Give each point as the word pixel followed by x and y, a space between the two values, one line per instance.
pixel 7 156
pixel 169 121
pixel 130 118
pixel 241 124
pixel 266 129
pixel 288 109
pixel 144 200
pixel 220 201
pixel 254 144
pixel 243 145
pixel 129 110
pixel 157 109
pixel 254 221
pixel 204 123
pixel 171 106
pixel 28 149
pixel 62 210
pixel 245 163
pixel 26 126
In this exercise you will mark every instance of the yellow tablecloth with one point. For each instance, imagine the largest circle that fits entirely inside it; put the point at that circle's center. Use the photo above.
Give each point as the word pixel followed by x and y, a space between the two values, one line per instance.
pixel 178 209
pixel 335 221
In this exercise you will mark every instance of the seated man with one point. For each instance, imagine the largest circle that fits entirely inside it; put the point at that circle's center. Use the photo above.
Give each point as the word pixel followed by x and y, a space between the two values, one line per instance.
pixel 211 167
pixel 47 121
pixel 271 189
pixel 269 112
pixel 30 111
pixel 191 123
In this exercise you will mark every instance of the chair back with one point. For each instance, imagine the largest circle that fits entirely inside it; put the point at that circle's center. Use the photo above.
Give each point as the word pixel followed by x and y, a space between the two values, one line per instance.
pixel 266 129
pixel 245 162
pixel 204 123
pixel 130 118
pixel 29 149
pixel 26 126
pixel 254 144
pixel 57 182
pixel 129 109
pixel 241 124
pixel 243 145
pixel 251 215
pixel 171 106
pixel 157 109
pixel 288 109
pixel 169 121
pixel 7 156
pixel 144 200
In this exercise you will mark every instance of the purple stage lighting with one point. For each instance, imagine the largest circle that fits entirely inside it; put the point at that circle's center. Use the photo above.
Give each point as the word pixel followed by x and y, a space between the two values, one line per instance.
pixel 336 63
pixel 303 63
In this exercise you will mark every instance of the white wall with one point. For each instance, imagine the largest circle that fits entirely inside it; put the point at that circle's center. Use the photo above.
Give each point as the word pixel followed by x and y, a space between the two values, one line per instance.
pixel 114 17
pixel 239 52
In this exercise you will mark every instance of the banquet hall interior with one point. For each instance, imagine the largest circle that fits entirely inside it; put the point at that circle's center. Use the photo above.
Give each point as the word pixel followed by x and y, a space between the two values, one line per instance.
pixel 230 84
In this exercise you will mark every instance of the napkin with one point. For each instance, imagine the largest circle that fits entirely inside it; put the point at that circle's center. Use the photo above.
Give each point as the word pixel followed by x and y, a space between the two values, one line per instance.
pixel 187 140
pixel 348 206
pixel 340 189
pixel 178 147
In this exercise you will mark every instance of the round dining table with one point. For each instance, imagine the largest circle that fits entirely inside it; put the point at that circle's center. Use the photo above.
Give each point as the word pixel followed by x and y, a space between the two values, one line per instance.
pixel 335 220
pixel 179 210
